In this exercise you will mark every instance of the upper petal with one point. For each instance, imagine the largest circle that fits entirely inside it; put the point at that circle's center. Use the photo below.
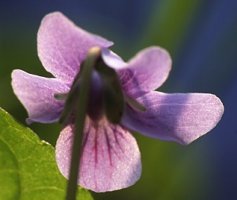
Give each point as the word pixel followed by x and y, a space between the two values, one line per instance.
pixel 62 46
pixel 176 117
pixel 110 156
pixel 37 95
pixel 146 71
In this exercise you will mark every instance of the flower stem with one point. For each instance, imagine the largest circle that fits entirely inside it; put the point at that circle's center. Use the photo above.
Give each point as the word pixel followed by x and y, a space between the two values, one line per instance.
pixel 81 109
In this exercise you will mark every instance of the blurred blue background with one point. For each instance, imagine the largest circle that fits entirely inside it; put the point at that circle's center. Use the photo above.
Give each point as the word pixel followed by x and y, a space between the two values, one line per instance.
pixel 201 36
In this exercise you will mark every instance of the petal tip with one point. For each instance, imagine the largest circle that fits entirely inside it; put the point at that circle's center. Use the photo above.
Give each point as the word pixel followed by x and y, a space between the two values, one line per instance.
pixel 218 111
pixel 16 76
pixel 15 72
pixel 164 55
pixel 56 14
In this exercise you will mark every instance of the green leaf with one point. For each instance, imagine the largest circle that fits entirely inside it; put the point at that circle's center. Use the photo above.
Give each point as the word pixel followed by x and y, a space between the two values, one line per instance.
pixel 28 169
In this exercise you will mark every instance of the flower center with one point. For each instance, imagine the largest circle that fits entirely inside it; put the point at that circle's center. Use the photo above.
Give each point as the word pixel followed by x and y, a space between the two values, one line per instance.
pixel 96 105
pixel 106 95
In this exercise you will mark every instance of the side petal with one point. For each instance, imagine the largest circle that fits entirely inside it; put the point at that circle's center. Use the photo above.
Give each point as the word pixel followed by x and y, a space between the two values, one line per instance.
pixel 37 95
pixel 62 46
pixel 110 157
pixel 175 117
pixel 146 71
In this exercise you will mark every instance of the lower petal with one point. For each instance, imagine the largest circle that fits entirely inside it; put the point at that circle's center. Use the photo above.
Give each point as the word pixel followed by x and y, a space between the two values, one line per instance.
pixel 175 117
pixel 37 95
pixel 110 156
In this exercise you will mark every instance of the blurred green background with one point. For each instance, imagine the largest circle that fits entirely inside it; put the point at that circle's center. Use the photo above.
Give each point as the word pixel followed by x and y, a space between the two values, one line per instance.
pixel 201 38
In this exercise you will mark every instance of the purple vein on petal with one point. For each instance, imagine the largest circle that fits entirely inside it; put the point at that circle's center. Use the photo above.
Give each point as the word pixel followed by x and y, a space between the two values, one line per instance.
pixel 118 143
pixel 109 146
pixel 96 147
pixel 116 133
pixel 110 158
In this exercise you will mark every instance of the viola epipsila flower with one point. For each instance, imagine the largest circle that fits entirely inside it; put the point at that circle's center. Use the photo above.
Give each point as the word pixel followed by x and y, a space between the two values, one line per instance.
pixel 110 158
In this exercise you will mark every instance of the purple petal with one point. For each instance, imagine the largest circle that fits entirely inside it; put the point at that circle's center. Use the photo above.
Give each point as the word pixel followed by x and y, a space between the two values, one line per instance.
pixel 62 46
pixel 110 156
pixel 112 60
pixel 37 95
pixel 147 70
pixel 175 117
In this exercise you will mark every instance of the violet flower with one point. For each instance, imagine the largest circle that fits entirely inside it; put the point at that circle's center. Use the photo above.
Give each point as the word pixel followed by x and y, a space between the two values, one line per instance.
pixel 110 158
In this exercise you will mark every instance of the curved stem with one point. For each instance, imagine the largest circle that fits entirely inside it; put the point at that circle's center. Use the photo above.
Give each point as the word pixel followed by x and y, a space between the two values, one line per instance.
pixel 81 100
